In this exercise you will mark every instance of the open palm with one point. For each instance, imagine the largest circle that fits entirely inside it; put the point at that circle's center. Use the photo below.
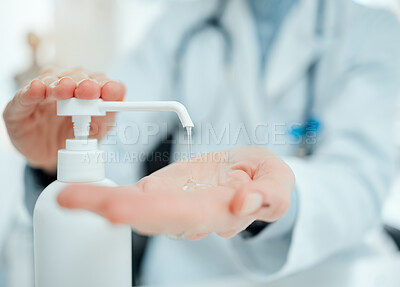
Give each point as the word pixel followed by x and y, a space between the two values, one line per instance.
pixel 237 187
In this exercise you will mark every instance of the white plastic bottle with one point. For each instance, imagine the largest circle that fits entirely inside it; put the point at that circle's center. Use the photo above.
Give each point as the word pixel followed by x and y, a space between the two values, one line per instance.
pixel 75 248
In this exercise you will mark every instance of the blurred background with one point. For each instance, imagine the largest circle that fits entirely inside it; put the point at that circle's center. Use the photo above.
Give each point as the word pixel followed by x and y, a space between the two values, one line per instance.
pixel 38 33
pixel 30 39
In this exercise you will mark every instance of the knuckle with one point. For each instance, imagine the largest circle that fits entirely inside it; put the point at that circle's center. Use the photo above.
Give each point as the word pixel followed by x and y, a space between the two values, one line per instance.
pixel 48 79
pixel 107 85
pixel 148 184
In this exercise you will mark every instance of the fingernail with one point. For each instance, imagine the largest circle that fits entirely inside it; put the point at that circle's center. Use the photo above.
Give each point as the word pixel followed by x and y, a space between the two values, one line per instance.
pixel 252 202
pixel 26 88
pixel 92 80
pixel 109 81
pixel 29 85
pixel 65 77
pixel 54 84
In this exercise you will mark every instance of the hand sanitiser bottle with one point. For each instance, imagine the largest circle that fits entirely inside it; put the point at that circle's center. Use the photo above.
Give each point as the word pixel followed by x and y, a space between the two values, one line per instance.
pixel 76 248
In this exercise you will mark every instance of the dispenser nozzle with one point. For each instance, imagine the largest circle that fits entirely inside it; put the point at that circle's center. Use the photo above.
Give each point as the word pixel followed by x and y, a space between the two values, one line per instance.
pixel 81 126
pixel 77 108
pixel 156 106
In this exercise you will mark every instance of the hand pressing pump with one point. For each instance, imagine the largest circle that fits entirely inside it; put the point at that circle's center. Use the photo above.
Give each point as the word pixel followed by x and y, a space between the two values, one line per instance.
pixel 78 248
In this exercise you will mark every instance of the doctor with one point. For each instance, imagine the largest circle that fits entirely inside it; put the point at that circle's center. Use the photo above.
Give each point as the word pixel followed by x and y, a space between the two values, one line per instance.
pixel 259 78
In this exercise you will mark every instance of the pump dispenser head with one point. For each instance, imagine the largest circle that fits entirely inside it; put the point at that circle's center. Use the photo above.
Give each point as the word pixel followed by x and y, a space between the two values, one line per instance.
pixel 82 110
pixel 81 160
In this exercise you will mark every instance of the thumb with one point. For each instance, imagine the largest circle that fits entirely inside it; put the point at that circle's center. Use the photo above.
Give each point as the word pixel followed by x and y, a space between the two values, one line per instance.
pixel 25 101
pixel 267 197
pixel 247 200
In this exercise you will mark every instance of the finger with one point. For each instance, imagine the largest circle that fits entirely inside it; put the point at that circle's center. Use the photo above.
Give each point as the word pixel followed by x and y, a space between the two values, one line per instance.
pixel 265 198
pixel 62 89
pixel 86 88
pixel 196 237
pixel 25 101
pixel 274 183
pixel 247 201
pixel 110 90
pixel 81 197
pixel 146 212
pixel 228 234
pixel 113 91
pixel 173 212
pixel 277 188
pixel 48 78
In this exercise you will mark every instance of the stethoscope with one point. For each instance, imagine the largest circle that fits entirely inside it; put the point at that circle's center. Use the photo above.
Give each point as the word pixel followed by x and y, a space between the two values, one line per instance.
pixel 305 133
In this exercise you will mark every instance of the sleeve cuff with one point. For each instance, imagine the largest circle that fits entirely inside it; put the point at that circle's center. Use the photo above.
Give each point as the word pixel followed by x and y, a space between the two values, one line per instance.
pixel 35 180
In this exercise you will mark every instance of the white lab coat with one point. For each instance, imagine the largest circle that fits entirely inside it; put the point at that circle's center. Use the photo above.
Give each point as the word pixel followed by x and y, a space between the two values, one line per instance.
pixel 340 189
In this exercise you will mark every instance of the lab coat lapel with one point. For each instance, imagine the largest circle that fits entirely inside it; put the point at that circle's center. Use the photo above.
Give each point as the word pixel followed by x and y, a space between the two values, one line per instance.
pixel 244 81
pixel 296 47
